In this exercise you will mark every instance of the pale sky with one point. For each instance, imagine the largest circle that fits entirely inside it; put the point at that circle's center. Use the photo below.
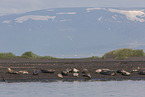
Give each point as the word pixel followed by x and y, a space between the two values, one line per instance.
pixel 20 6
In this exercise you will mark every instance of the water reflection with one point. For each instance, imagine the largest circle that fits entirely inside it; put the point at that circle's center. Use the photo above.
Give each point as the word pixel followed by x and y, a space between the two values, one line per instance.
pixel 126 88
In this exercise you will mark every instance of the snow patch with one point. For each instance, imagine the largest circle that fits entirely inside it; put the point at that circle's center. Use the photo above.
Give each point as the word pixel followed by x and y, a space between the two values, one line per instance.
pixel 66 13
pixel 90 9
pixel 133 15
pixel 64 20
pixel 33 17
pixel 114 17
pixel 100 18
pixel 6 21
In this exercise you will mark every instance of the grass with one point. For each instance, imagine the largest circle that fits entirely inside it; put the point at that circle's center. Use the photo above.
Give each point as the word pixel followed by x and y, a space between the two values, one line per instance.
pixel 48 57
pixel 7 55
pixel 124 53
pixel 93 57
pixel 30 55
pixel 115 54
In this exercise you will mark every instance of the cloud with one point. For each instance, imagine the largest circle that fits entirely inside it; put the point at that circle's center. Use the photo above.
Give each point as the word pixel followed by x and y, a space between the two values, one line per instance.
pixel 66 13
pixel 133 15
pixel 69 37
pixel 134 44
pixel 65 20
pixel 21 6
pixel 33 17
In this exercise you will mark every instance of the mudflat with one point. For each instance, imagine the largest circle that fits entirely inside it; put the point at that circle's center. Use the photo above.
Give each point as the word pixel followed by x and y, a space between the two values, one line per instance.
pixel 21 64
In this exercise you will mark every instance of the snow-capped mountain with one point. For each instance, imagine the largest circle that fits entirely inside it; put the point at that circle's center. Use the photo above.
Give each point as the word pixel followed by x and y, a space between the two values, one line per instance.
pixel 73 32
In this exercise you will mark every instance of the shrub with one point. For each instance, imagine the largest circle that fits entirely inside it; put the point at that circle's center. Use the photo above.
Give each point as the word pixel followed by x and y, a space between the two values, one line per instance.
pixel 7 55
pixel 48 57
pixel 30 55
pixel 124 53
pixel 93 57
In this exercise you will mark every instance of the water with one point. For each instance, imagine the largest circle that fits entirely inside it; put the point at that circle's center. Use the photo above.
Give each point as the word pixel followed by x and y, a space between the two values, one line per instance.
pixel 73 89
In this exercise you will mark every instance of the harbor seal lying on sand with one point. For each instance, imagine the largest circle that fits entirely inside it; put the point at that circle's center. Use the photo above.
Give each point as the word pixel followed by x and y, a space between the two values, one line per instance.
pixel 123 72
pixel 12 71
pixel 86 73
pixel 106 72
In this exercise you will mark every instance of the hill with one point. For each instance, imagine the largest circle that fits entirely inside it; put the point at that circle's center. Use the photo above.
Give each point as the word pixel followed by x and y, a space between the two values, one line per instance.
pixel 73 32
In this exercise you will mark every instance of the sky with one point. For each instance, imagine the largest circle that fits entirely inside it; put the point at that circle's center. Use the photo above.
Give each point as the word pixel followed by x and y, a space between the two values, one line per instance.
pixel 21 6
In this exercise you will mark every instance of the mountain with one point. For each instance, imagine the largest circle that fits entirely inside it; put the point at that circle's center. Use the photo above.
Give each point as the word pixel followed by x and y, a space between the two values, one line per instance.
pixel 73 32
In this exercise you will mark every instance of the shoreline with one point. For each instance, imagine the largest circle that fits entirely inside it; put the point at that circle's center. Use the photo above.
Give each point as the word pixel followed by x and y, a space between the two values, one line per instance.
pixel 72 80
pixel 58 65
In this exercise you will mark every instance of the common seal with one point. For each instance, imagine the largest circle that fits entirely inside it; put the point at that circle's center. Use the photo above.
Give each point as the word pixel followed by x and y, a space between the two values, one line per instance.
pixel 87 75
pixel 23 72
pixel 47 70
pixel 35 72
pixel 64 72
pixel 75 74
pixel 69 70
pixel 60 75
pixel 123 72
pixel 85 71
pixel 100 70
pixel 142 73
pixel 75 70
pixel 12 71
pixel 108 72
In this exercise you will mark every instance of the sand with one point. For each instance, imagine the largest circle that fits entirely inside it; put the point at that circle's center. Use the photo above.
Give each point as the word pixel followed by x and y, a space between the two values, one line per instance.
pixel 19 64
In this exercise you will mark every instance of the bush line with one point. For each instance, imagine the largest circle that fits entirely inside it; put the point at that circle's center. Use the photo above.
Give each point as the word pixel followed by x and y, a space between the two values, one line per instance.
pixel 115 54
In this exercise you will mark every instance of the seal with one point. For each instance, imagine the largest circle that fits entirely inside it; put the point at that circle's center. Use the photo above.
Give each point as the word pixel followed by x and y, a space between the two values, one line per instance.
pixel 85 71
pixel 64 72
pixel 60 75
pixel 47 70
pixel 35 72
pixel 123 72
pixel 87 75
pixel 75 74
pixel 100 70
pixel 23 72
pixel 142 73
pixel 75 70
pixel 108 72
pixel 69 70
pixel 12 71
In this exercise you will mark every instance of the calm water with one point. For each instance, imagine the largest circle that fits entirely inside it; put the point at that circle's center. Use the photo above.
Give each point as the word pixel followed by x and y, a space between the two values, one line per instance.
pixel 74 89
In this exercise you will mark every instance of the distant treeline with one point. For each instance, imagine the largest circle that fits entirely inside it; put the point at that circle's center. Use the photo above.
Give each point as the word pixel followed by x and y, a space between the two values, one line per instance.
pixel 124 53
pixel 28 55
pixel 121 54
pixel 115 54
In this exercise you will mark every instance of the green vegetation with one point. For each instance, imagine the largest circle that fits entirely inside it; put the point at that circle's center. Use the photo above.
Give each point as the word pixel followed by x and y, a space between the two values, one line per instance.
pixel 7 55
pixel 116 54
pixel 124 53
pixel 93 57
pixel 27 55
pixel 48 57
pixel 30 55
